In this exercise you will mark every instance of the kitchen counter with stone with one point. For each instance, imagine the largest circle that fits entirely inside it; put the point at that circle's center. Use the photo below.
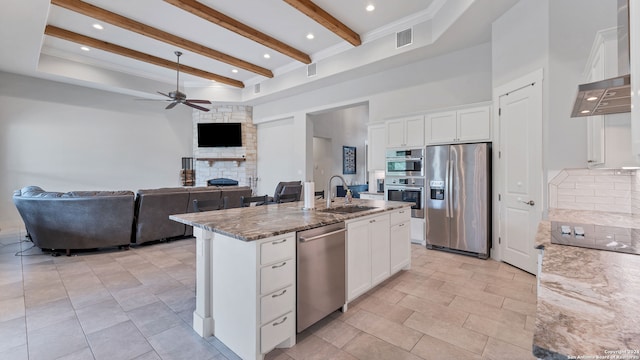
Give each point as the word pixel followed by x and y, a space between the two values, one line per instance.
pixel 588 300
pixel 259 222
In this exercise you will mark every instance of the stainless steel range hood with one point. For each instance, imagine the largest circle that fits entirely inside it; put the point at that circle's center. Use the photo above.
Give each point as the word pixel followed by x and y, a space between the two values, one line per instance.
pixel 609 96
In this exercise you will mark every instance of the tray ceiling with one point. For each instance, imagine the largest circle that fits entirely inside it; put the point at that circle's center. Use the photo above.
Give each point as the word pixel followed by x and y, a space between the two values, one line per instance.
pixel 138 37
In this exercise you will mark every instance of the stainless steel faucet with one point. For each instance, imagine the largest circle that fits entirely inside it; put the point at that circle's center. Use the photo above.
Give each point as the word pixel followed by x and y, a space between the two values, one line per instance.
pixel 344 182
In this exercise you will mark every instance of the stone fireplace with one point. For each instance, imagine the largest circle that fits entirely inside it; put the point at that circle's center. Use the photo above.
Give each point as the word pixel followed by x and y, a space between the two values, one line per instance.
pixel 237 163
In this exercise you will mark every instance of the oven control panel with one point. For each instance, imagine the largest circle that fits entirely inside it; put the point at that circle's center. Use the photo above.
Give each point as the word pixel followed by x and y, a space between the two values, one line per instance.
pixel 405 181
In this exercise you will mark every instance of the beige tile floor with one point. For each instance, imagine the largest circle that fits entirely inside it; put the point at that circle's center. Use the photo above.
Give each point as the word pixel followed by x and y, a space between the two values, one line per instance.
pixel 138 304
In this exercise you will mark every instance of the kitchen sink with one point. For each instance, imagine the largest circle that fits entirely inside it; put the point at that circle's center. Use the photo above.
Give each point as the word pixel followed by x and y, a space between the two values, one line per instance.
pixel 347 209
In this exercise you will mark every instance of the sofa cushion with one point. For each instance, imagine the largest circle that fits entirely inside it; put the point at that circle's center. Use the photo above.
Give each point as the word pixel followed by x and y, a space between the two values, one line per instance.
pixel 162 191
pixel 202 195
pixel 153 208
pixel 79 194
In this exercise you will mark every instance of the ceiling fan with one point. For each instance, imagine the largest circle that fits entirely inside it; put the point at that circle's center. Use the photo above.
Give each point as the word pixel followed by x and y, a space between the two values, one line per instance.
pixel 178 97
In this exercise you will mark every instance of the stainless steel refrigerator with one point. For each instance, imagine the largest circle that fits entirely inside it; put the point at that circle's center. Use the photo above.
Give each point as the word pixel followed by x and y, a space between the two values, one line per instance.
pixel 458 201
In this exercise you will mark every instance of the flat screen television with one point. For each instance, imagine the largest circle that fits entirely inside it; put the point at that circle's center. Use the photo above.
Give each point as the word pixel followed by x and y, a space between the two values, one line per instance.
pixel 219 134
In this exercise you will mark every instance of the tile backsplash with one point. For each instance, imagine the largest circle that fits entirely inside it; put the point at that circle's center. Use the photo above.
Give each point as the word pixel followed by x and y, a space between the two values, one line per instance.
pixel 610 190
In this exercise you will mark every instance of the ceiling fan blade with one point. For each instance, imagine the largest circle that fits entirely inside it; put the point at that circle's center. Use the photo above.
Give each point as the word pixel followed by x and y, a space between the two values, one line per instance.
pixel 167 95
pixel 172 105
pixel 195 106
pixel 199 101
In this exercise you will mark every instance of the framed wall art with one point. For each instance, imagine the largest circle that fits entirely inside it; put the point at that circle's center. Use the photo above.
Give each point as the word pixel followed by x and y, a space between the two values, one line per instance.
pixel 348 160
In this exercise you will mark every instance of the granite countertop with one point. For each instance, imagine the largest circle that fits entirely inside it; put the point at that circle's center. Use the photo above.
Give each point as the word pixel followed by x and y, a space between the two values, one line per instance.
pixel 588 300
pixel 259 222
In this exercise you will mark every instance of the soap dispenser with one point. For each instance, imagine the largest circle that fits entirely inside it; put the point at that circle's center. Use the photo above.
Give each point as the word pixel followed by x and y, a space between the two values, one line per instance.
pixel 348 198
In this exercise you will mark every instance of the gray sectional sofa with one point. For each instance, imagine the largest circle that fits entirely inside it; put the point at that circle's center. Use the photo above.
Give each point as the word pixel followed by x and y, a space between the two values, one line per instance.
pixel 96 219
pixel 153 207
pixel 76 220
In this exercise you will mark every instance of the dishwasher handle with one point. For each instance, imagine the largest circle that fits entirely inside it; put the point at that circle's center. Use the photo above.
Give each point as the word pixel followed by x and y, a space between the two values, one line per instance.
pixel 307 239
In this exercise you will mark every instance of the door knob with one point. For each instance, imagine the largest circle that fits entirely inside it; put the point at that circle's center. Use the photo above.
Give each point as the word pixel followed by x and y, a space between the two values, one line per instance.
pixel 530 202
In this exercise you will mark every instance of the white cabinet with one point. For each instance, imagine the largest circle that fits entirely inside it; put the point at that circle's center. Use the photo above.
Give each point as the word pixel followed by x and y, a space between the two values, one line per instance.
pixel 602 63
pixel 368 261
pixel 634 51
pixel 399 247
pixel 254 287
pixel 376 147
pixel 379 235
pixel 405 132
pixel 358 259
pixel 462 125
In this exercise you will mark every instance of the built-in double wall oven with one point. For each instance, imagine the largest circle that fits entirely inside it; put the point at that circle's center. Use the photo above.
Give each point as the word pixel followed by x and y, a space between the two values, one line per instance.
pixel 404 178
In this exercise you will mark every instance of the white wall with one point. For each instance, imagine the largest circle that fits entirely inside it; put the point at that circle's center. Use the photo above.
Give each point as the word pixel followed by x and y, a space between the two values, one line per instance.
pixel 345 127
pixel 64 137
pixel 322 162
pixel 457 78
pixel 570 42
pixel 281 155
pixel 555 36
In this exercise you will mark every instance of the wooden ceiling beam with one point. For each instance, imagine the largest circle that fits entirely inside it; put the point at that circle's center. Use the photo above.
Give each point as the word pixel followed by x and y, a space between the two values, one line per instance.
pixel 239 28
pixel 142 29
pixel 325 19
pixel 120 50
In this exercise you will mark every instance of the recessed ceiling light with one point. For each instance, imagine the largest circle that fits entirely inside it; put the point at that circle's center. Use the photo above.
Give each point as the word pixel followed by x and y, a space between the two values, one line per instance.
pixel 84 48
pixel 267 56
pixel 234 70
pixel 585 112
pixel 592 98
pixel 98 26
pixel 310 36
pixel 370 7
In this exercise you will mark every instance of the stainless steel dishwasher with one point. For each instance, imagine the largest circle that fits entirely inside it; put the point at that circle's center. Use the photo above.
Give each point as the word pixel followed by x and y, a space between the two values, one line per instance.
pixel 321 273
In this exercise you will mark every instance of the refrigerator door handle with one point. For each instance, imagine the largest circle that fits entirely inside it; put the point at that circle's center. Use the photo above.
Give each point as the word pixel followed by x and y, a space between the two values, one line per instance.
pixel 450 186
pixel 447 202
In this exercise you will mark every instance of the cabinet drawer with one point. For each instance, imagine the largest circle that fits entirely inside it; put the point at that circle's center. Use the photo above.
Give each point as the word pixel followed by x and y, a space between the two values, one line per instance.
pixel 276 332
pixel 277 249
pixel 277 276
pixel 400 216
pixel 277 303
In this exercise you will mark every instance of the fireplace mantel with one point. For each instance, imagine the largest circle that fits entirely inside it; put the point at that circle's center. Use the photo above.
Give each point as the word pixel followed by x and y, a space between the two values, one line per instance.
pixel 211 160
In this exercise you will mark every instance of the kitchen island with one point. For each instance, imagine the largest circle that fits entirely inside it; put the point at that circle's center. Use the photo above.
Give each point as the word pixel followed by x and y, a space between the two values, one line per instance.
pixel 588 300
pixel 246 265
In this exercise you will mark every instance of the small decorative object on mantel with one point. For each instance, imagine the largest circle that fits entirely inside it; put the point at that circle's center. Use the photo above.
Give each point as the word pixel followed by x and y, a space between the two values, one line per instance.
pixel 348 160
pixel 188 173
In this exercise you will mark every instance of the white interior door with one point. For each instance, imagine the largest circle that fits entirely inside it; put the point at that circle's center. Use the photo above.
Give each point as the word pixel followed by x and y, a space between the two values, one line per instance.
pixel 520 161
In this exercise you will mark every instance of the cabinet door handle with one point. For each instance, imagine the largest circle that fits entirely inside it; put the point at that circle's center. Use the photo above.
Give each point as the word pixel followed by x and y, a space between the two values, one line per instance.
pixel 278 242
pixel 278 295
pixel 280 322
pixel 279 266
pixel 401 225
pixel 401 212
